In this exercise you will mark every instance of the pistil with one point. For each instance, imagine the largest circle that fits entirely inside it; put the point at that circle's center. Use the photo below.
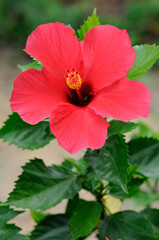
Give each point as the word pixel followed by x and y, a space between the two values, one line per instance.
pixel 74 81
pixel 79 95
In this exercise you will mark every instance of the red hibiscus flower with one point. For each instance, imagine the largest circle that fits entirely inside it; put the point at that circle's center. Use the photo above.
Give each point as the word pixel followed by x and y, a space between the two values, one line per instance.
pixel 80 83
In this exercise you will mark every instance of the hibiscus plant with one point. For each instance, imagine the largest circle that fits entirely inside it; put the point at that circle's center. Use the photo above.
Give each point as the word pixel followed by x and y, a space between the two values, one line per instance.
pixel 82 88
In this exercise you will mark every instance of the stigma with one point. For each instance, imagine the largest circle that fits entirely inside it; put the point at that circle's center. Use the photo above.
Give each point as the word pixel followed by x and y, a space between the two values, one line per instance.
pixel 73 79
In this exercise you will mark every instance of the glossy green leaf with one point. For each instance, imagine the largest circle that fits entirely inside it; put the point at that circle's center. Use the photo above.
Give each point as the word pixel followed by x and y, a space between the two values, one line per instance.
pixel 120 127
pixel 54 227
pixel 25 136
pixel 88 25
pixel 145 57
pixel 9 231
pixel 42 187
pixel 110 162
pixel 144 152
pixel 126 225
pixel 145 198
pixel 35 64
pixel 84 218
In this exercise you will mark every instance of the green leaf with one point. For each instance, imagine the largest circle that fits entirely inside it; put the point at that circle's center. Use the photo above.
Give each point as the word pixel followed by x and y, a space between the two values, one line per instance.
pixel 110 162
pixel 6 214
pixel 152 215
pixel 38 216
pixel 78 166
pixel 120 127
pixel 9 231
pixel 144 153
pixel 131 171
pixel 24 135
pixel 132 187
pixel 126 225
pixel 54 227
pixel 133 184
pixel 145 198
pixel 41 187
pixel 34 64
pixel 83 166
pixel 145 57
pixel 84 218
pixel 72 203
pixel 90 181
pixel 88 25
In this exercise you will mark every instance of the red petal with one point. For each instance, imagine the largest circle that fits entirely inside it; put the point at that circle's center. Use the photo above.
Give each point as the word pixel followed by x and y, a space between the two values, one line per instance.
pixel 35 95
pixel 77 128
pixel 56 47
pixel 124 100
pixel 107 54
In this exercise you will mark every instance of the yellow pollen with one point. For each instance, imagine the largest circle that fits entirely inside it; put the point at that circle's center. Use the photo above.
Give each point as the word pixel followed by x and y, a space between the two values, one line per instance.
pixel 73 80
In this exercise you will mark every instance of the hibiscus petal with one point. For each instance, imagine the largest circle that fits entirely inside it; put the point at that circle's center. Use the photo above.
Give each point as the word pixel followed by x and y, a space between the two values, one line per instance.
pixel 56 47
pixel 124 100
pixel 35 95
pixel 77 128
pixel 107 55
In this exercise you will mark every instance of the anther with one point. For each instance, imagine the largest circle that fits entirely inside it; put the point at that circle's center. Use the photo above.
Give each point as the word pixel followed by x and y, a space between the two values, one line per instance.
pixel 73 79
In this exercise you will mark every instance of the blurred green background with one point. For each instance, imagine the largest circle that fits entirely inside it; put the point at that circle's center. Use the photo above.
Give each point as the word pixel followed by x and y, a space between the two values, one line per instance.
pixel 19 17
